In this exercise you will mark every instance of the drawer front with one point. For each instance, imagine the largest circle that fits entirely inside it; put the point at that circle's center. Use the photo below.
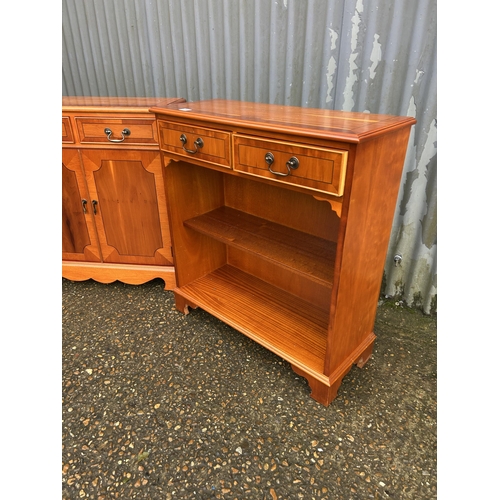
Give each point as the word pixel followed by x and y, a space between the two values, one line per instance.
pixel 199 143
pixel 307 166
pixel 67 132
pixel 124 131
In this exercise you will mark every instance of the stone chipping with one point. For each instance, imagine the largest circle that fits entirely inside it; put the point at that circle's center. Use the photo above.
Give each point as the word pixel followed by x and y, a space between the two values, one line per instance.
pixel 159 405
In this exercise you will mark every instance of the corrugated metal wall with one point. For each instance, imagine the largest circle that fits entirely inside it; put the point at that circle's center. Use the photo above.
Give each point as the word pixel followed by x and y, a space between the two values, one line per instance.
pixel 377 56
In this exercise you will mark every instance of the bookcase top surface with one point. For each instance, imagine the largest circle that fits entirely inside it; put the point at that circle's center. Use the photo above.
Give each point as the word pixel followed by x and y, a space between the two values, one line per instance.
pixel 324 123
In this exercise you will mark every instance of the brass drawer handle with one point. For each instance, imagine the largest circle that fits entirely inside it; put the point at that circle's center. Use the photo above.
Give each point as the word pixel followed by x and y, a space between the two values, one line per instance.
pixel 198 144
pixel 125 132
pixel 291 164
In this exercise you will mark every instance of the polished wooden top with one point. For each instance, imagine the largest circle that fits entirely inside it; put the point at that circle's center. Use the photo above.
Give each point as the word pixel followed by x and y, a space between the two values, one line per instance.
pixel 115 104
pixel 323 123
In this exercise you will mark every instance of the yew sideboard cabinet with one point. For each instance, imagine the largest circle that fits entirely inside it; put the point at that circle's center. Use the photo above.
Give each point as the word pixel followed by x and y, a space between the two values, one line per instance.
pixel 114 212
pixel 279 221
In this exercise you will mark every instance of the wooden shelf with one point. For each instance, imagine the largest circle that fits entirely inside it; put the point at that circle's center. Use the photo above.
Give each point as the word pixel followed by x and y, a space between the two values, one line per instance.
pixel 279 321
pixel 300 252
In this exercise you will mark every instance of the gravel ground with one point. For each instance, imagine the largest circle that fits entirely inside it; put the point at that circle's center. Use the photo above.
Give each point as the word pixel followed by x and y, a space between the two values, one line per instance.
pixel 158 405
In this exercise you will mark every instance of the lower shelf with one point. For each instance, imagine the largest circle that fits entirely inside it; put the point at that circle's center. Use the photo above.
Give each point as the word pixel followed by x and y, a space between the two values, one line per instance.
pixel 279 321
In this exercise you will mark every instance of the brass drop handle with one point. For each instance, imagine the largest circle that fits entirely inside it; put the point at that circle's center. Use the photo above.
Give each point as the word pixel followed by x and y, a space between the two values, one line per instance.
pixel 125 132
pixel 94 206
pixel 84 206
pixel 269 158
pixel 291 164
pixel 198 144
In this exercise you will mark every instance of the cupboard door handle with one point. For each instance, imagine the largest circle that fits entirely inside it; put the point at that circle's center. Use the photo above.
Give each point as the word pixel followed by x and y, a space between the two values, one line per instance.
pixel 84 206
pixel 198 144
pixel 291 164
pixel 125 133
pixel 94 206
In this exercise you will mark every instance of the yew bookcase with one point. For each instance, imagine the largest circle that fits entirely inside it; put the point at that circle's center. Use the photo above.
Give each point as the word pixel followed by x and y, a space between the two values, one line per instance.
pixel 280 220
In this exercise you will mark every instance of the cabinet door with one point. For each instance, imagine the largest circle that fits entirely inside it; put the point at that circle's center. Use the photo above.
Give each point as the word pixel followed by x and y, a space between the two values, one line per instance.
pixel 128 201
pixel 79 238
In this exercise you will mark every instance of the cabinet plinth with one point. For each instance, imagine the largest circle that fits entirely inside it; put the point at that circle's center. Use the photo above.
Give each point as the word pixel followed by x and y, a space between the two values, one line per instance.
pixel 280 226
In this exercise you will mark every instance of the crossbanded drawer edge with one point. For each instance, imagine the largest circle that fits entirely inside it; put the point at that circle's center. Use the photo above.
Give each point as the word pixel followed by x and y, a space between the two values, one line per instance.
pixel 216 148
pixel 67 131
pixel 91 130
pixel 330 182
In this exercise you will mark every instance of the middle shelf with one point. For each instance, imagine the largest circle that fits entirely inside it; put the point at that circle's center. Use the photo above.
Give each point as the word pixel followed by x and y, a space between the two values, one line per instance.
pixel 303 253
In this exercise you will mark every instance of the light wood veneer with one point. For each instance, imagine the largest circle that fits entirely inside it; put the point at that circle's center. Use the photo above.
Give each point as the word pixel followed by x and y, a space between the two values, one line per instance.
pixel 291 257
pixel 114 213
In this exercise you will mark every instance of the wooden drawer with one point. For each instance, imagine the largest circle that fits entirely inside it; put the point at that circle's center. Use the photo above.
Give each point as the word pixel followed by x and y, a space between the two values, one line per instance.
pixel 67 132
pixel 215 148
pixel 315 168
pixel 141 131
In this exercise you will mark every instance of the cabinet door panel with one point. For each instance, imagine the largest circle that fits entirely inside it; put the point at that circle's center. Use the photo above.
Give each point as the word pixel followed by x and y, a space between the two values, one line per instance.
pixel 79 240
pixel 129 206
